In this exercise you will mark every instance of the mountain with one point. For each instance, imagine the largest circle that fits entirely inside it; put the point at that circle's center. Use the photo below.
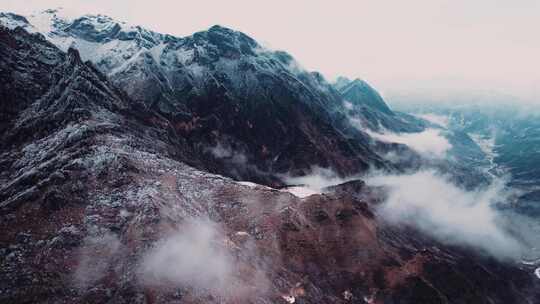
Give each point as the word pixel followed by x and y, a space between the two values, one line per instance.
pixel 234 102
pixel 359 92
pixel 340 82
pixel 365 104
pixel 106 197
pixel 231 99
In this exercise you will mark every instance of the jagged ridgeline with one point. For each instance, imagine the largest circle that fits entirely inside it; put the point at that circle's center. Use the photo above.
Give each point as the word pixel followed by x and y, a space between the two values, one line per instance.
pixel 249 112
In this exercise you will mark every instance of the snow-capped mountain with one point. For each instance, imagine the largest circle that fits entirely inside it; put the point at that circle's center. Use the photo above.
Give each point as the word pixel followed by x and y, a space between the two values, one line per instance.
pixel 231 98
pixel 168 66
pixel 221 91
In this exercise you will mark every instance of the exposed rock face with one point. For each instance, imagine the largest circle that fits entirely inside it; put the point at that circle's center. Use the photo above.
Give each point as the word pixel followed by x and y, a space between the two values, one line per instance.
pixel 95 195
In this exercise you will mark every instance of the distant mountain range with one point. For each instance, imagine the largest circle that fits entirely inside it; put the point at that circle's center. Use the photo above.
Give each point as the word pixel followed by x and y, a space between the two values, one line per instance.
pixel 509 135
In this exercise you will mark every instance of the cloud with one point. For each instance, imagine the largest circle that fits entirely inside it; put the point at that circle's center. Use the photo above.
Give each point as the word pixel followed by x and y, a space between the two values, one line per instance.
pixel 199 255
pixel 226 152
pixel 436 206
pixel 429 143
pixel 194 256
pixel 433 204
pixel 440 120
pixel 314 182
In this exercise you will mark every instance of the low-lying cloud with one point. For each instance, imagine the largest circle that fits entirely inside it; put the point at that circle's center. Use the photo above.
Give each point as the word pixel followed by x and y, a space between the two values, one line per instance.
pixel 437 119
pixel 314 182
pixel 193 256
pixel 221 151
pixel 429 143
pixel 436 206
pixel 200 256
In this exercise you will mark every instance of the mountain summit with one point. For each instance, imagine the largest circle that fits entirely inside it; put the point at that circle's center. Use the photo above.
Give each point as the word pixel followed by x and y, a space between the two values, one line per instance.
pixel 359 92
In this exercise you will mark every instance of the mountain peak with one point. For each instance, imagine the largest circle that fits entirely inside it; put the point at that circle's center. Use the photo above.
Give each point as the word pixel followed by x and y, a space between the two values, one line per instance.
pixel 227 41
pixel 229 32
pixel 94 27
pixel 220 28
pixel 359 92
pixel 359 82
pixel 11 20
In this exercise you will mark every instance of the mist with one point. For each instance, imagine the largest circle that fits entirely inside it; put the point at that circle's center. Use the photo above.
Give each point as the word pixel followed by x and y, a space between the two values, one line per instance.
pixel 200 255
pixel 193 256
pixel 433 204
pixel 430 143
pixel 314 182
pixel 436 206
pixel 221 151
pixel 440 120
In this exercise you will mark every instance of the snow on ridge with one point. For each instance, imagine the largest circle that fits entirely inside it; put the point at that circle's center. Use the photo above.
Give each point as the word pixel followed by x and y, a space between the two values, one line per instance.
pixel 114 55
pixel 11 22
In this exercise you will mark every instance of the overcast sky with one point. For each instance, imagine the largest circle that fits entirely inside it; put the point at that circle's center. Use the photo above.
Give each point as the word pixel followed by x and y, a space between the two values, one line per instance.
pixel 398 46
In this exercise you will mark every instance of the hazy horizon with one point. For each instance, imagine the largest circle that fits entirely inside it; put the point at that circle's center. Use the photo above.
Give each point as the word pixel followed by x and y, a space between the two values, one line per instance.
pixel 418 48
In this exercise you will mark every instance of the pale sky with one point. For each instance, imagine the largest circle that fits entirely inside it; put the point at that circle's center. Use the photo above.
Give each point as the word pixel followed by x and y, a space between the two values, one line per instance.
pixel 398 46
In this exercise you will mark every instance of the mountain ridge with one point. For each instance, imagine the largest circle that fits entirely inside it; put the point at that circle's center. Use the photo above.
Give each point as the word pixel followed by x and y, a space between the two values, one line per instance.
pixel 220 77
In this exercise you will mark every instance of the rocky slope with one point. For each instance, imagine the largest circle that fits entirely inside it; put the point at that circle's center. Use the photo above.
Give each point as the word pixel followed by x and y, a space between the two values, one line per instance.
pixel 96 196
